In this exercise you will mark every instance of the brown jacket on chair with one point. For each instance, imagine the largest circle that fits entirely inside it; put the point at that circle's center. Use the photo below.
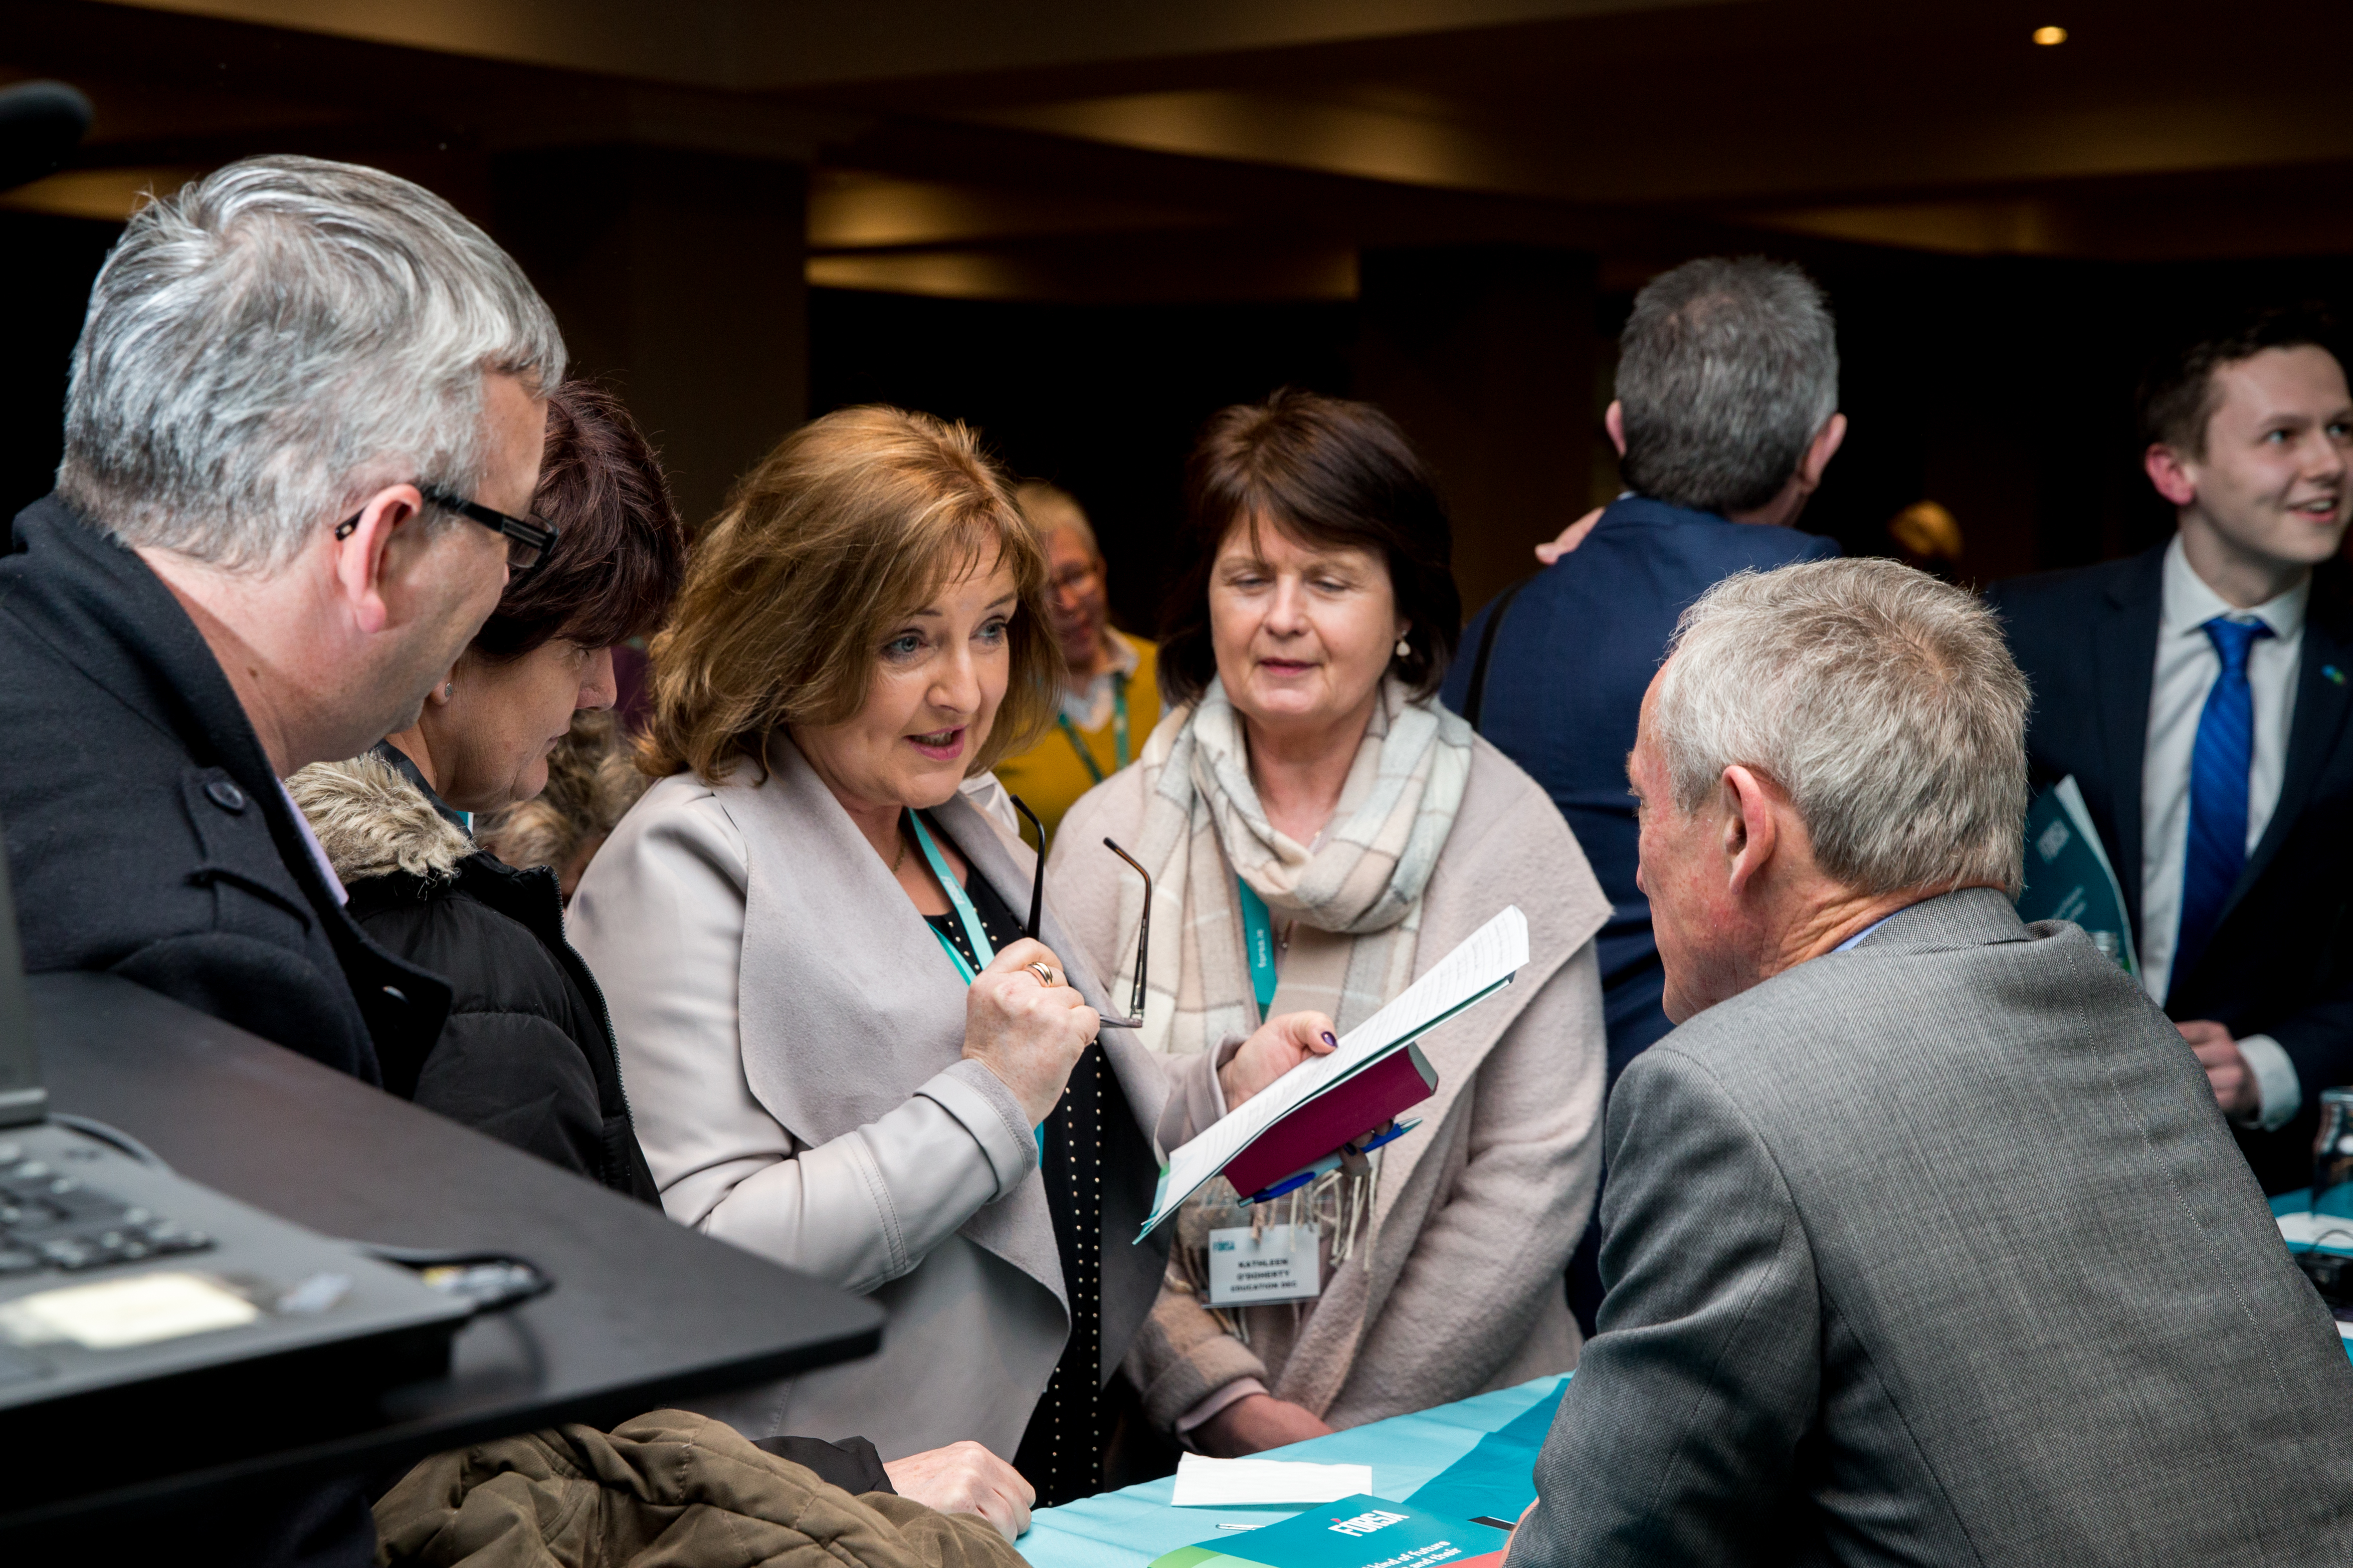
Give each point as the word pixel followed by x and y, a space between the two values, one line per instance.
pixel 684 1487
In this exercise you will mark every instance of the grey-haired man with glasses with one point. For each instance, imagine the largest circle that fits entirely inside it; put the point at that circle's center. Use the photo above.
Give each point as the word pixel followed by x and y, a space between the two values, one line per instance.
pixel 303 425
pixel 305 417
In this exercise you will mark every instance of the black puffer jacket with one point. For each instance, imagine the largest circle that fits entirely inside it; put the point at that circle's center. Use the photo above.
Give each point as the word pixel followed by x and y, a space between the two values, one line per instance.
pixel 527 1053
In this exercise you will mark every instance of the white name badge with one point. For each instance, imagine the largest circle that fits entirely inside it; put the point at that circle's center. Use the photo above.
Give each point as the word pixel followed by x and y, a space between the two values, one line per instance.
pixel 1279 1263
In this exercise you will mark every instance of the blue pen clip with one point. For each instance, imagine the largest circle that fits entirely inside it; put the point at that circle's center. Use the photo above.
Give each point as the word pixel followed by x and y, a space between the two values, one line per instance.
pixel 1298 1179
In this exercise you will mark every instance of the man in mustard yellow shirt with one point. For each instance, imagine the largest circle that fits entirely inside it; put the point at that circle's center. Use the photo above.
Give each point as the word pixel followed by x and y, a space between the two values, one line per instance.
pixel 1112 697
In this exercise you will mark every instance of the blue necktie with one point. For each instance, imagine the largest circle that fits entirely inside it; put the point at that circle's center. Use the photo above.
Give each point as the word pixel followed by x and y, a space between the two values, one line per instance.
pixel 2218 790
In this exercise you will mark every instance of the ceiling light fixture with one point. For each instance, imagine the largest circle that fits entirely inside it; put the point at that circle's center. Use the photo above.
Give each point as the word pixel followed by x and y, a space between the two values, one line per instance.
pixel 2047 36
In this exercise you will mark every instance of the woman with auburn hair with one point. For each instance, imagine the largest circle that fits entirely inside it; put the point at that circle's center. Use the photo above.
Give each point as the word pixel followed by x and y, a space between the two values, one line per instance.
pixel 844 1054
pixel 1319 834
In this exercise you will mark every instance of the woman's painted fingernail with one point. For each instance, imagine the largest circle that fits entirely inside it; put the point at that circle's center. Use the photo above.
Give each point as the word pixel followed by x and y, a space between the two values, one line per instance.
pixel 1330 1041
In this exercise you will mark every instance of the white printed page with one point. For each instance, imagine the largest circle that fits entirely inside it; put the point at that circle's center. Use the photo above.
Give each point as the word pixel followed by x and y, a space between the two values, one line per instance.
pixel 1204 1482
pixel 1486 960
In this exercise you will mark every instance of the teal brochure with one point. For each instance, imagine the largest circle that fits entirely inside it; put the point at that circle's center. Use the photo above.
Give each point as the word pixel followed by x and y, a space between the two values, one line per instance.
pixel 1354 1533
pixel 2068 877
pixel 1497 1479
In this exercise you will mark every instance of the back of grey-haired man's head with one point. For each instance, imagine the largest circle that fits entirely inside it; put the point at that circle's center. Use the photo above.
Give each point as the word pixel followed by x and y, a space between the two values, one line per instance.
pixel 1883 701
pixel 270 346
pixel 1726 372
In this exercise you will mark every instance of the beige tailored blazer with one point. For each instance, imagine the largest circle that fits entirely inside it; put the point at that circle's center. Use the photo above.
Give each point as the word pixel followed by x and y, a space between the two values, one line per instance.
pixel 791 1037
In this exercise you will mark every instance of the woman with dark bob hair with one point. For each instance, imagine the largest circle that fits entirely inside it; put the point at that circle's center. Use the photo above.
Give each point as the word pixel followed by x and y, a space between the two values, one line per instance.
pixel 526 1055
pixel 1319 833
pixel 844 1053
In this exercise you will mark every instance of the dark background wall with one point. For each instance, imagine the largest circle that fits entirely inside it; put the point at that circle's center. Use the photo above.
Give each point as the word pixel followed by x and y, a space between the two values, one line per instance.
pixel 678 278
pixel 2001 387
pixel 1084 228
pixel 50 262
pixel 1103 400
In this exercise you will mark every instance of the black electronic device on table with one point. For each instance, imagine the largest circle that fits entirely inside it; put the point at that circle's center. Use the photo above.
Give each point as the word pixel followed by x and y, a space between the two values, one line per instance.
pixel 114 1272
pixel 2331 1274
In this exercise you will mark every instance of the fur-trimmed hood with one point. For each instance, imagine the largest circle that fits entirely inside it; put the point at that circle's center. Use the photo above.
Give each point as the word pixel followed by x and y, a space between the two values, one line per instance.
pixel 526 1054
pixel 371 822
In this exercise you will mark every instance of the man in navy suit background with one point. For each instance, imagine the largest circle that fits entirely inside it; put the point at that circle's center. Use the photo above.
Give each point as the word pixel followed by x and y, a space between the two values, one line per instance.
pixel 1726 416
pixel 2198 693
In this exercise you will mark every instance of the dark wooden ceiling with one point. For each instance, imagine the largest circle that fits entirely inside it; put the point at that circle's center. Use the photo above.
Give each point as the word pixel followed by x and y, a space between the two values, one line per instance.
pixel 1026 147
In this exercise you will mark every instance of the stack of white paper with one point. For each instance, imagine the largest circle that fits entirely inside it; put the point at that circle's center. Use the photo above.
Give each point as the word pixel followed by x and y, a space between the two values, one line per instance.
pixel 1204 1482
pixel 1485 962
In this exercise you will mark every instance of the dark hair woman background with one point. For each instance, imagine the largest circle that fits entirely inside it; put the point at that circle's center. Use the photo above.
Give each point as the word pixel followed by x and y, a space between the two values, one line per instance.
pixel 527 1055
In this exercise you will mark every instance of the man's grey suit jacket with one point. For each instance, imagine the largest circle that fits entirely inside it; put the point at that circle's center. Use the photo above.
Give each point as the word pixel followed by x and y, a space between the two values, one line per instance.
pixel 1938 1251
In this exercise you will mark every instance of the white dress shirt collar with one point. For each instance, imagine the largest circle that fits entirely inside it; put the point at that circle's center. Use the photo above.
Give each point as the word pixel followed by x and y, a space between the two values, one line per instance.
pixel 2189 603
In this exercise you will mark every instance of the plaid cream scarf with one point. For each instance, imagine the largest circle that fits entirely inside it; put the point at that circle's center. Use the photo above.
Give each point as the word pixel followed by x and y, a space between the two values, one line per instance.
pixel 1203 825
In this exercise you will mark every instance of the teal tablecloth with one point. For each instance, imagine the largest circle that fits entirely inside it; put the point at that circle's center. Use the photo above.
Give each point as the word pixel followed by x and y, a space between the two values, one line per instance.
pixel 1129 1527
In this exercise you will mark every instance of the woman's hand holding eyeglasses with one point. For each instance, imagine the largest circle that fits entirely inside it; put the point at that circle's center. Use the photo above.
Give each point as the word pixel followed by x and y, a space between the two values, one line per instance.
pixel 1281 1044
pixel 1029 1033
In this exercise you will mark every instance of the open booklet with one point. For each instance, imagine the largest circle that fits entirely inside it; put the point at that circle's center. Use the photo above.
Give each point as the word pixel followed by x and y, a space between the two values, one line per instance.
pixel 1482 966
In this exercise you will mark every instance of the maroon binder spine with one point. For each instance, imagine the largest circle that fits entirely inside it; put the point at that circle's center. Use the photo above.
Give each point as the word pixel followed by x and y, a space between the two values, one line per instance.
pixel 1322 1125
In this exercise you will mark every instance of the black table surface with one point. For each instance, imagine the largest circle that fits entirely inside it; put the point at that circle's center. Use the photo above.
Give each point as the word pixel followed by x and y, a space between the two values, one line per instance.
pixel 645 1312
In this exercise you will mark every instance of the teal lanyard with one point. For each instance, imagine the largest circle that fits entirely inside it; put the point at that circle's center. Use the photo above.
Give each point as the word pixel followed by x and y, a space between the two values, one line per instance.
pixel 970 920
pixel 966 914
pixel 1258 941
pixel 1118 729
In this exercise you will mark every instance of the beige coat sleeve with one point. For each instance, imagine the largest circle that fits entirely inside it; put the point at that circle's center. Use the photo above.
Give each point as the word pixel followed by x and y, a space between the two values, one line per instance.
pixel 659 918
pixel 1181 1356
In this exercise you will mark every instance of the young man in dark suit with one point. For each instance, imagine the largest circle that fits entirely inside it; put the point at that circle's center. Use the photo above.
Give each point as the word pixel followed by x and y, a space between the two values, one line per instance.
pixel 2198 694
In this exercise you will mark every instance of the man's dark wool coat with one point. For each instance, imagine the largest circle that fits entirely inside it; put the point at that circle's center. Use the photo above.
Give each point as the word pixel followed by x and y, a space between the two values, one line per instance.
pixel 147 836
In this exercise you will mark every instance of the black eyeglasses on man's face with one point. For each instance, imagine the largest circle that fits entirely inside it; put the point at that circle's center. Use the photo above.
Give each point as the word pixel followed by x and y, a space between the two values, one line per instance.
pixel 529 541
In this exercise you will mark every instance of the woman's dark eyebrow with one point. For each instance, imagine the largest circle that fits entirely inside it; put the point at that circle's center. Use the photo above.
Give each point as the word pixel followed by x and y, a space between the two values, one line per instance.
pixel 1331 555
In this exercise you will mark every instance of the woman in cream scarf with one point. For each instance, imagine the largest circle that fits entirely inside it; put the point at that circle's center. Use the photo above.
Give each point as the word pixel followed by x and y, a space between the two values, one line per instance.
pixel 1305 772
